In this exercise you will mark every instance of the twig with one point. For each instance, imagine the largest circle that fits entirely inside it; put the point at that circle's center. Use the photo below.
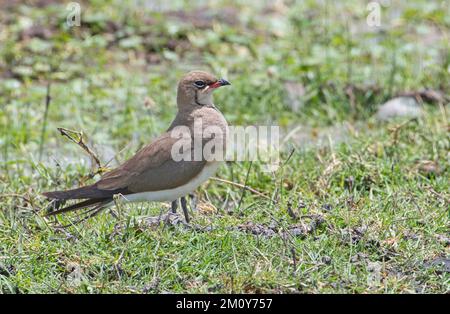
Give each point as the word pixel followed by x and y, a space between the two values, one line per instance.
pixel 428 95
pixel 246 187
pixel 245 184
pixel 289 158
pixel 252 190
pixel 44 125
pixel 294 259
pixel 68 133
pixel 395 130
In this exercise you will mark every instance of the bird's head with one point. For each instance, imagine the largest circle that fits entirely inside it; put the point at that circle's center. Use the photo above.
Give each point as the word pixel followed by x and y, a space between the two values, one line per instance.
pixel 196 88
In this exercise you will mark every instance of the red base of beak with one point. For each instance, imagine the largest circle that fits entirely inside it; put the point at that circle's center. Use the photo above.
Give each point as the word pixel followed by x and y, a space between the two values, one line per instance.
pixel 221 82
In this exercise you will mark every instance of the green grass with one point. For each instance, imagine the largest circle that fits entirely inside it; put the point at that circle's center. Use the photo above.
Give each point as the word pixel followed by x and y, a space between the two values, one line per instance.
pixel 371 201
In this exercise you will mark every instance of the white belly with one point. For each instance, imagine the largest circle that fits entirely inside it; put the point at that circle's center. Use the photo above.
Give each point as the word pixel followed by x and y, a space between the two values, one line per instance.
pixel 173 194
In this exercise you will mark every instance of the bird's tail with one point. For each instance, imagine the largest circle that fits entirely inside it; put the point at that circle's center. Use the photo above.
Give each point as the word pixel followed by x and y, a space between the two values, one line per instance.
pixel 89 191
pixel 96 199
pixel 95 203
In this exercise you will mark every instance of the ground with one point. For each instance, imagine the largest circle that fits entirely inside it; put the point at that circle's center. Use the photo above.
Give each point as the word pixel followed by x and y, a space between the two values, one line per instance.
pixel 358 205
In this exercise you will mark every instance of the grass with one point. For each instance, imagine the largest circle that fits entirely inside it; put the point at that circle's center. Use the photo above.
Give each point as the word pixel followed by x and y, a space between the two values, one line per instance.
pixel 361 206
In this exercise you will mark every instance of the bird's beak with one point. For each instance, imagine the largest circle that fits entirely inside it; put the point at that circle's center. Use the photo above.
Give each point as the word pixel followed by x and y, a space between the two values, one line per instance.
pixel 219 83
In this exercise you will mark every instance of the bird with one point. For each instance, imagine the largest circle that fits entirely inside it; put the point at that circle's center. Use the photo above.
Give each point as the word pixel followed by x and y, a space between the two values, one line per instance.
pixel 153 174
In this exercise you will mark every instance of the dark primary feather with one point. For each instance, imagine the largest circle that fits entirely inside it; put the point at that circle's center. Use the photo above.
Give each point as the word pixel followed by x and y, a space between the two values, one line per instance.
pixel 90 191
pixel 80 205
pixel 95 197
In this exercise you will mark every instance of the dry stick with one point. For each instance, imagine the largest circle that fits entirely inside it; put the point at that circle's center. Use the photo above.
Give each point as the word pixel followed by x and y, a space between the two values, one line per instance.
pixel 289 157
pixel 294 259
pixel 44 125
pixel 80 142
pixel 245 184
pixel 289 236
pixel 277 190
pixel 395 130
pixel 241 186
pixel 89 214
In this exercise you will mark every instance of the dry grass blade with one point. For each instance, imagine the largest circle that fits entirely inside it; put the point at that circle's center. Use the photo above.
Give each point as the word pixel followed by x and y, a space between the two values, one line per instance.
pixel 246 187
pixel 396 129
pixel 77 138
pixel 44 125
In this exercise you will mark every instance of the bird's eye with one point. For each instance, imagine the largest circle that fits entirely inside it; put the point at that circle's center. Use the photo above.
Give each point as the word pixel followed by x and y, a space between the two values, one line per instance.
pixel 199 84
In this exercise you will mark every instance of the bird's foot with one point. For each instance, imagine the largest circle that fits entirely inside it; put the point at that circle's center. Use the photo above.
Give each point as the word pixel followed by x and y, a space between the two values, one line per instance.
pixel 193 201
pixel 174 206
pixel 170 219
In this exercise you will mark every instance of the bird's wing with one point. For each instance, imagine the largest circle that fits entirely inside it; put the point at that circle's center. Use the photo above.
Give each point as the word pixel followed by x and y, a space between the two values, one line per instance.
pixel 151 169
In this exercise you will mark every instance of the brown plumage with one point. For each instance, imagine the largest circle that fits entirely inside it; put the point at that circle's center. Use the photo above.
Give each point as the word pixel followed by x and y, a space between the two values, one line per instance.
pixel 152 168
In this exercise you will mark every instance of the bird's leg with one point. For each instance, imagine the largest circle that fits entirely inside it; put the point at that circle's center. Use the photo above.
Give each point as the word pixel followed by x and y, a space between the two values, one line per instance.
pixel 185 209
pixel 174 206
pixel 193 201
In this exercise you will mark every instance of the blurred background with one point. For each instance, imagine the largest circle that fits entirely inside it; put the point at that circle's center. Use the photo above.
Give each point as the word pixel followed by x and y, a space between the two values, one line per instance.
pixel 113 65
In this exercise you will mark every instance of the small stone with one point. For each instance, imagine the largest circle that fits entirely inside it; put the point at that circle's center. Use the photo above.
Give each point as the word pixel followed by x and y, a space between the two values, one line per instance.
pixel 326 260
pixel 399 107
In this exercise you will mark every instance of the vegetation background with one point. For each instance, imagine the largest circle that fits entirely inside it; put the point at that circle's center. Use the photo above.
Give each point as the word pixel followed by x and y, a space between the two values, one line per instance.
pixel 360 204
